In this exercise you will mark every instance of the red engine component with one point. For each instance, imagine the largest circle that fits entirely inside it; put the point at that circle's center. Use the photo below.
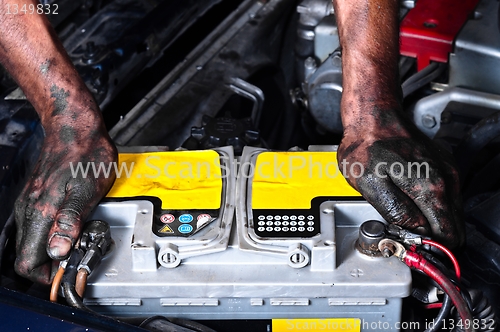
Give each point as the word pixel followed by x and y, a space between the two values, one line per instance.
pixel 429 29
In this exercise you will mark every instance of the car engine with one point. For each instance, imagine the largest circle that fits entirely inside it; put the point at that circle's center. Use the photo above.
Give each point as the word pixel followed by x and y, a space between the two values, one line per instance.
pixel 236 88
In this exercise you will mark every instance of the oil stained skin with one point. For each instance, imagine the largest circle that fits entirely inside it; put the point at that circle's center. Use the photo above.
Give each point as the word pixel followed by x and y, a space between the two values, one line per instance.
pixel 53 201
pixel 61 100
pixel 67 134
pixel 376 130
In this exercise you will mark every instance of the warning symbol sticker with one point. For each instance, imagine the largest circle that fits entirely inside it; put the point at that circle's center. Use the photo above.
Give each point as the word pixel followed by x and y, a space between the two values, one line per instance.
pixel 165 229
pixel 186 218
pixel 185 229
pixel 204 216
pixel 167 218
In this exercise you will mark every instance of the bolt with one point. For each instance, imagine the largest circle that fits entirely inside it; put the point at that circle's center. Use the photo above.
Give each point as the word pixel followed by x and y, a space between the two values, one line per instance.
pixel 388 249
pixel 428 121
pixel 310 63
pixel 336 60
pixel 297 258
pixel 309 67
pixel 169 258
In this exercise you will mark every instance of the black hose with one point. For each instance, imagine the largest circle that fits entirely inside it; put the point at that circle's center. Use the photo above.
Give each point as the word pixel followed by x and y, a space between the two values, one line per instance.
pixel 443 313
pixel 162 324
pixel 424 72
pixel 195 326
pixel 69 279
pixel 483 314
pixel 475 140
pixel 72 297
pixel 422 78
pixel 483 311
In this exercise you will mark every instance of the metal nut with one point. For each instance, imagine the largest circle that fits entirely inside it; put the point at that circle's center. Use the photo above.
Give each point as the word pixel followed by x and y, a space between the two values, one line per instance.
pixel 428 121
pixel 388 249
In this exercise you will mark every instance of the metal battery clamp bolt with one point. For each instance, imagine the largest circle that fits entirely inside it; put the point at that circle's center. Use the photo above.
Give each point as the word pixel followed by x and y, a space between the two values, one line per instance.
pixel 371 232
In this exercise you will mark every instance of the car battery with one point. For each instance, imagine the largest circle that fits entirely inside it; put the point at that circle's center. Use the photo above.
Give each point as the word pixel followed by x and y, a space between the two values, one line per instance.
pixel 278 242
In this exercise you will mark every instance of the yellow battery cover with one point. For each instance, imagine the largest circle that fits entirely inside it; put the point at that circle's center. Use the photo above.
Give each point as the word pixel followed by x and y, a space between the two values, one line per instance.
pixel 181 179
pixel 290 180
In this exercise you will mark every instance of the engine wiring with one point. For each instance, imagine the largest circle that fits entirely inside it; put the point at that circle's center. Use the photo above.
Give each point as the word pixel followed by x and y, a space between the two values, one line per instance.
pixel 56 283
pixel 417 261
pixel 444 311
pixel 426 263
pixel 447 252
pixel 81 282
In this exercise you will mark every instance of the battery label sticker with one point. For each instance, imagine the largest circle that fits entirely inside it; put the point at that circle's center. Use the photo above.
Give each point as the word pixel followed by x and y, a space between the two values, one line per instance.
pixel 291 180
pixel 185 229
pixel 203 220
pixel 316 325
pixel 166 229
pixel 186 218
pixel 182 180
pixel 167 218
pixel 183 223
pixel 204 217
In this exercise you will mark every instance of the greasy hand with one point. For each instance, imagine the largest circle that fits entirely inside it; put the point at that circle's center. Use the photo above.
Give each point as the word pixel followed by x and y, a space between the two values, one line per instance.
pixel 427 204
pixel 54 204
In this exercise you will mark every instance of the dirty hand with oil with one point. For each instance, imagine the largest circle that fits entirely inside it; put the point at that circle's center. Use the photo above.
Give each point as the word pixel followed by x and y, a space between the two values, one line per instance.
pixel 408 179
pixel 55 202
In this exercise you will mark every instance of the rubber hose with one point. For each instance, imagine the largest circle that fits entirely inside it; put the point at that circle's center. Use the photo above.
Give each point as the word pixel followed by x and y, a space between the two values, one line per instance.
pixel 191 325
pixel 475 140
pixel 423 77
pixel 72 297
pixel 162 324
pixel 482 312
pixel 443 313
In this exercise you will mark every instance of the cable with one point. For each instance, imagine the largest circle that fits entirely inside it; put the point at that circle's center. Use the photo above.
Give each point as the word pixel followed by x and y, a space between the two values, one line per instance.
pixel 417 261
pixel 162 324
pixel 443 313
pixel 81 282
pixel 452 277
pixel 72 297
pixel 437 305
pixel 55 284
pixel 447 252
pixel 463 291
pixel 195 326
pixel 445 307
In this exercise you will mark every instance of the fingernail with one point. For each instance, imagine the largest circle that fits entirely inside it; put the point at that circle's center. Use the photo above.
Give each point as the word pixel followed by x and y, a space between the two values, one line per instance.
pixel 59 247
